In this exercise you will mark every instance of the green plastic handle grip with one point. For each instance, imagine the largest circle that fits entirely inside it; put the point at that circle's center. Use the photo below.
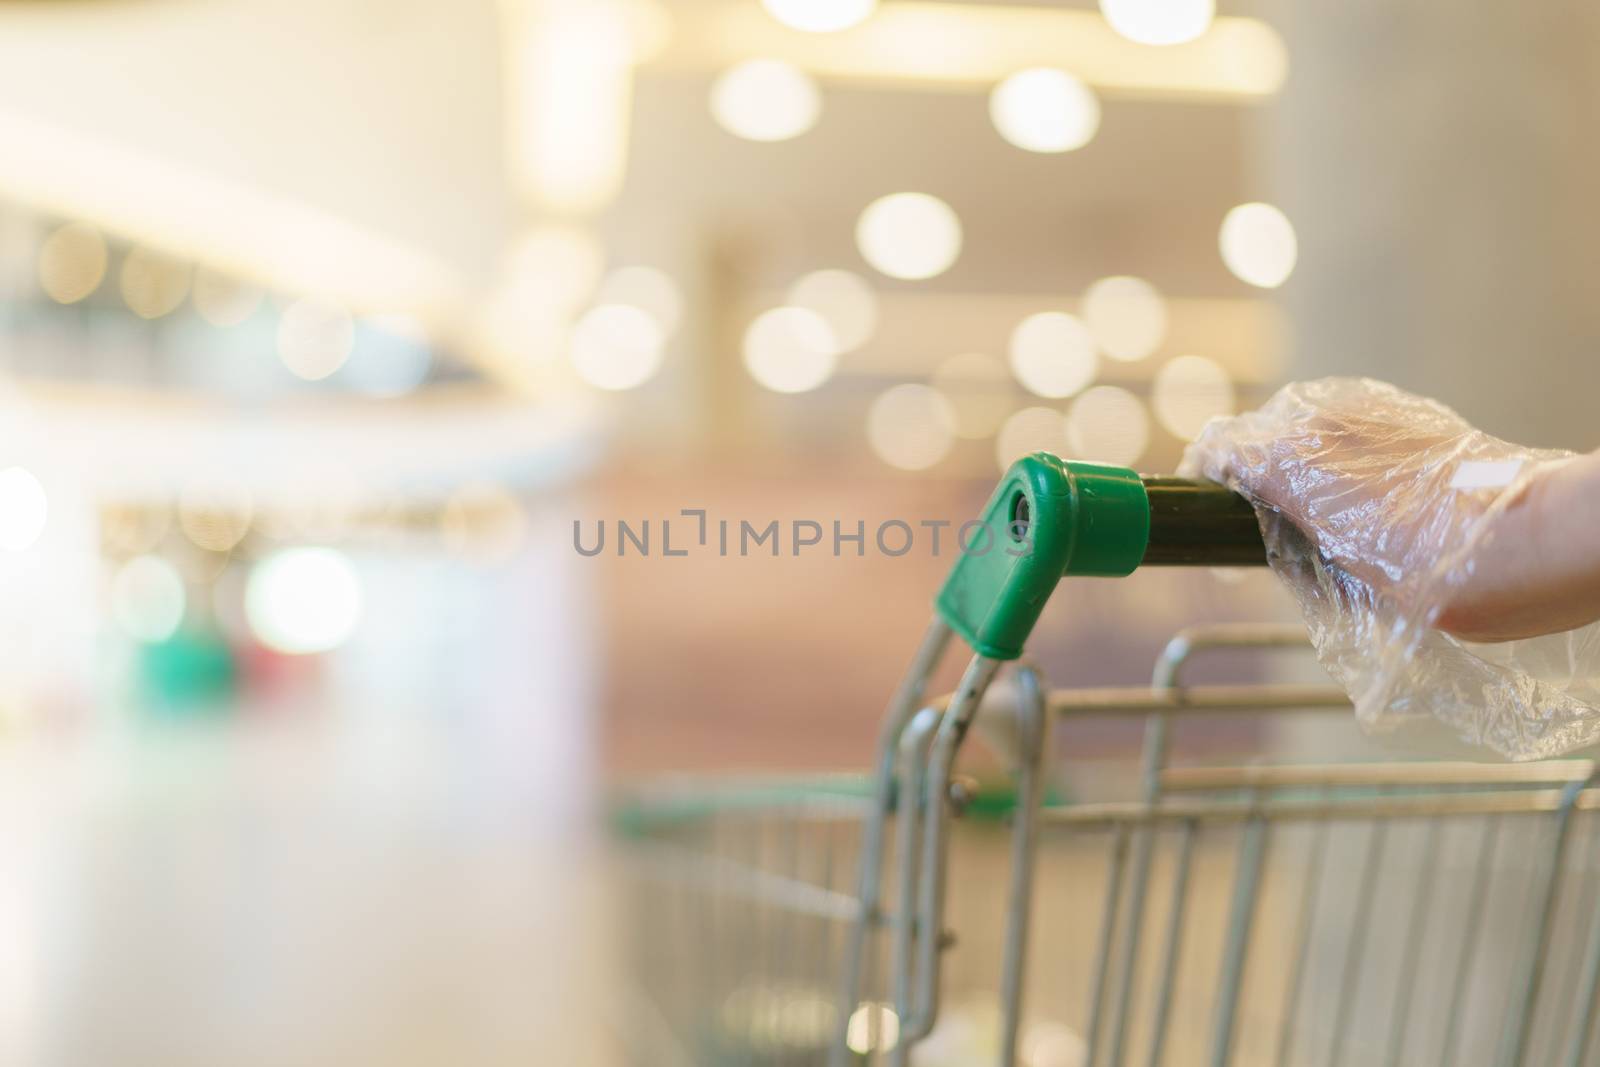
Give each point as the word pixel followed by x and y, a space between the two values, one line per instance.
pixel 1050 517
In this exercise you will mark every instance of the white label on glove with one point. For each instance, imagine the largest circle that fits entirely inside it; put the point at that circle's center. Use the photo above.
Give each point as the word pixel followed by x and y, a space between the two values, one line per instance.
pixel 1486 473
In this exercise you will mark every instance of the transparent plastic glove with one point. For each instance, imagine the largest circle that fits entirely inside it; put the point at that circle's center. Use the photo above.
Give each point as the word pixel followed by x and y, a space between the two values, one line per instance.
pixel 1399 528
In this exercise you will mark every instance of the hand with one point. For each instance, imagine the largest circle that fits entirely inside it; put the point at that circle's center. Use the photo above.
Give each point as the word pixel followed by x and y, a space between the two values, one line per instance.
pixel 1383 482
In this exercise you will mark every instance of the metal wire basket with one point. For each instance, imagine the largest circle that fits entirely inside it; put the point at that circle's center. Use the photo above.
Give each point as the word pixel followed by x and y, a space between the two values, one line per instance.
pixel 1274 913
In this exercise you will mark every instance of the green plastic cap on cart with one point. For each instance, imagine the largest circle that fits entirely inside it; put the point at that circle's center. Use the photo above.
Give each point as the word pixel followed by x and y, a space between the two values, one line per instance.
pixel 1047 518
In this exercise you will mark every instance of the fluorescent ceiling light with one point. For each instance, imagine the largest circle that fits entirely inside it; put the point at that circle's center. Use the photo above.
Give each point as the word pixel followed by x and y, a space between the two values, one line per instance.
pixel 973 46
pixel 569 94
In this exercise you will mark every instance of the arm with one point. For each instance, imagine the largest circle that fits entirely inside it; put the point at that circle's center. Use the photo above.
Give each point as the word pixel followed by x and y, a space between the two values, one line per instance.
pixel 1540 571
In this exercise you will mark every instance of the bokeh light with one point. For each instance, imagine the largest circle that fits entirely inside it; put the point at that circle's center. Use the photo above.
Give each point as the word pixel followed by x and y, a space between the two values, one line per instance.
pixel 648 289
pixel 1126 317
pixel 790 349
pixel 153 284
pixel 215 515
pixel 1188 392
pixel 911 426
pixel 72 262
pixel 1045 110
pixel 1108 424
pixel 872 1027
pixel 1159 22
pixel 820 16
pixel 1258 244
pixel 391 357
pixel 148 599
pixel 1052 1044
pixel 315 338
pixel 845 301
pixel 303 600
pixel 24 509
pixel 483 523
pixel 980 391
pixel 221 300
pixel 909 235
pixel 616 346
pixel 1052 354
pixel 1030 430
pixel 765 100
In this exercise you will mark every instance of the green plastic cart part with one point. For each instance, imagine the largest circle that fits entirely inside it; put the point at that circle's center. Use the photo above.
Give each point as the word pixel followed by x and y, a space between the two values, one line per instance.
pixel 641 814
pixel 1049 518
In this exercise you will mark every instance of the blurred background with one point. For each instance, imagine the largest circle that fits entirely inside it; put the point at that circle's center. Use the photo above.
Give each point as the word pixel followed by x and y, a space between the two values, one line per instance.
pixel 334 333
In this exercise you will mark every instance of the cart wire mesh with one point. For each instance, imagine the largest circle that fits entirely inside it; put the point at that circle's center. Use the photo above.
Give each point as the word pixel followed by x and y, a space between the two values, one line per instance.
pixel 1270 914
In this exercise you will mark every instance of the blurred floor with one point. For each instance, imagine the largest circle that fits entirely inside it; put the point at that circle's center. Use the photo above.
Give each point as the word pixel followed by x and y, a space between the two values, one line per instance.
pixel 397 869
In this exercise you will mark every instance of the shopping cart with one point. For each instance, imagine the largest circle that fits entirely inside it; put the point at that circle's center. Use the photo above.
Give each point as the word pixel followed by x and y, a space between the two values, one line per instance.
pixel 1275 913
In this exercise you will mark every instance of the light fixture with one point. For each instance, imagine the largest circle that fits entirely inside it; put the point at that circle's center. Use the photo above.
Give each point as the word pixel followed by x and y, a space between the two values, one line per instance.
pixel 872 1028
pixel 1035 429
pixel 23 509
pixel 845 300
pixel 790 349
pixel 820 16
pixel 215 513
pixel 303 600
pixel 942 45
pixel 911 236
pixel 911 426
pixel 616 346
pixel 765 100
pixel 1126 316
pixel 569 86
pixel 1188 392
pixel 1045 110
pixel 314 338
pixel 148 599
pixel 153 284
pixel 223 300
pixel 1108 424
pixel 72 262
pixel 1052 354
pixel 1258 245
pixel 1159 22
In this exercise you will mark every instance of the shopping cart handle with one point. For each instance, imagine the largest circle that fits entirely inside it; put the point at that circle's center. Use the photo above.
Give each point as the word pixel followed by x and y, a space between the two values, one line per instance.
pixel 1050 517
pixel 1195 523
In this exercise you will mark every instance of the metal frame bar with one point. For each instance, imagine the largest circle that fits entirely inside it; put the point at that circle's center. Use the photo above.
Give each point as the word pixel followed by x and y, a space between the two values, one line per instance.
pixel 936 841
pixel 903 705
pixel 1235 953
pixel 915 745
pixel 1304 926
pixel 1113 813
pixel 917 751
pixel 1166 680
pixel 1034 735
pixel 1520 1010
pixel 1173 944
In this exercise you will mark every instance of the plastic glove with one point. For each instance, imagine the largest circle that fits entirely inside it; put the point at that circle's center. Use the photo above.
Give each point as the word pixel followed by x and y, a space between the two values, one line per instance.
pixel 1406 535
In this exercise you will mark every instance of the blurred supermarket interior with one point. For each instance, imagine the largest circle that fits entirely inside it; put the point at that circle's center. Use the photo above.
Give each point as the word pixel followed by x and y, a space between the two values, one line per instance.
pixel 323 324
